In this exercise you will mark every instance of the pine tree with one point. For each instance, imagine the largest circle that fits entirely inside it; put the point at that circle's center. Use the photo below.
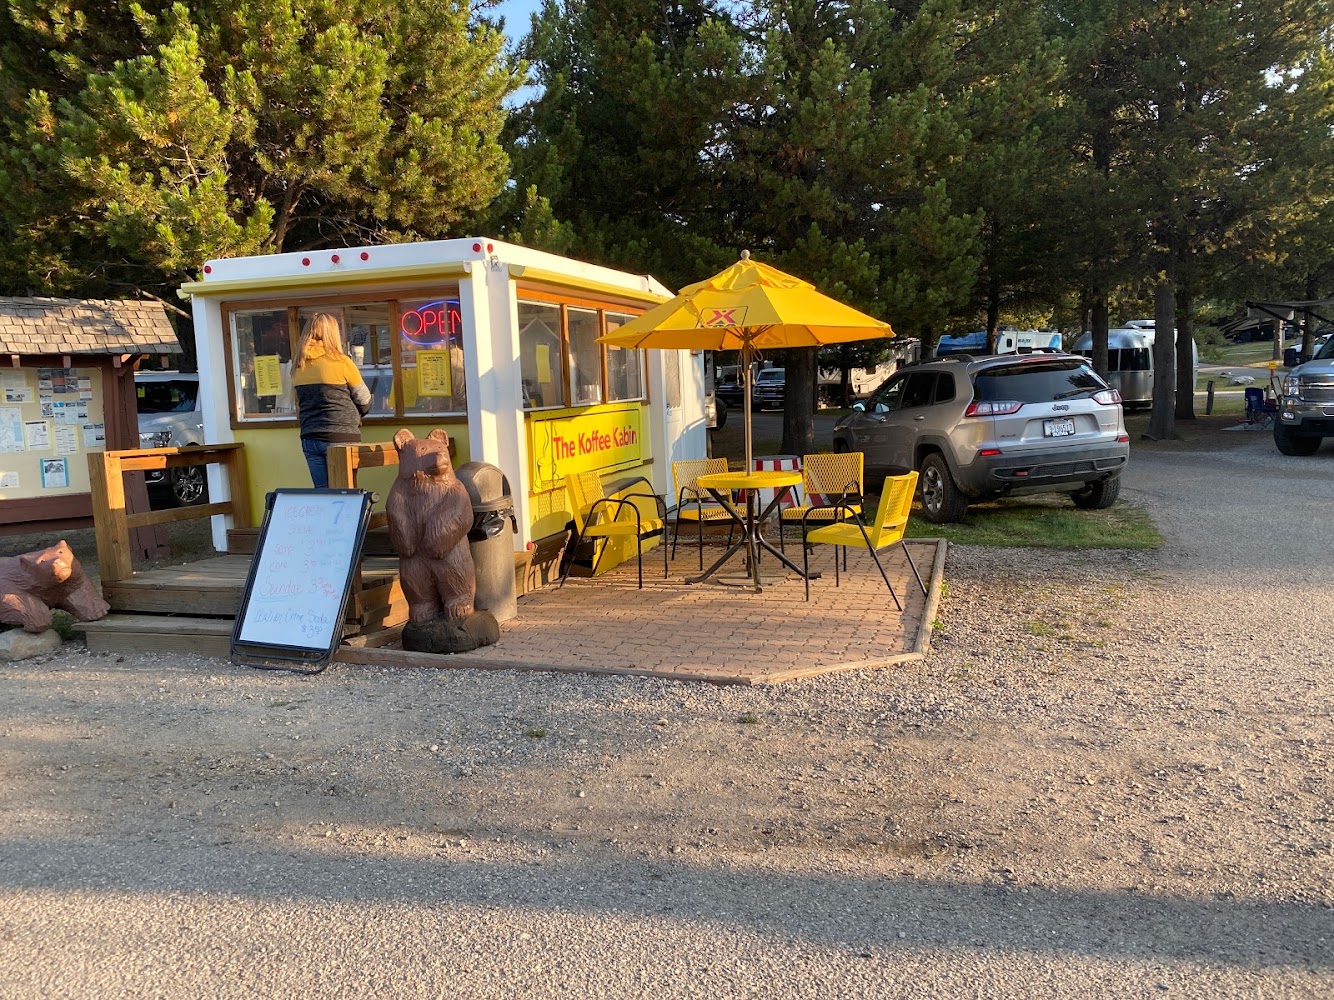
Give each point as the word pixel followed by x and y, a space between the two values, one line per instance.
pixel 151 138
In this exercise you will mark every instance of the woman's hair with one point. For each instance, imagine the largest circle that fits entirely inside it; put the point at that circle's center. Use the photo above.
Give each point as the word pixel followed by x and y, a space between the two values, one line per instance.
pixel 322 328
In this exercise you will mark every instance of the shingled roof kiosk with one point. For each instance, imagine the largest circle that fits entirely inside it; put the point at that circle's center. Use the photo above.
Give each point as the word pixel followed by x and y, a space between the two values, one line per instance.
pixel 68 390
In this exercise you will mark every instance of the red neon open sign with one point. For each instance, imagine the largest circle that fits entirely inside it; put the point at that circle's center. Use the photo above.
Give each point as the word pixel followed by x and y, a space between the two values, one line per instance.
pixel 432 323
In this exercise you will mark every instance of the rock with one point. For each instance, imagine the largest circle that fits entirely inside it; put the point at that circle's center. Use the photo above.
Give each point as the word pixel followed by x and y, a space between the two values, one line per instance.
pixel 16 644
pixel 452 635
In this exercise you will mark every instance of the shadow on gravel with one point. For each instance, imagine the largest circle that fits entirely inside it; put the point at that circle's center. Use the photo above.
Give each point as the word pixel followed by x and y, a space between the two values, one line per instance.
pixel 882 914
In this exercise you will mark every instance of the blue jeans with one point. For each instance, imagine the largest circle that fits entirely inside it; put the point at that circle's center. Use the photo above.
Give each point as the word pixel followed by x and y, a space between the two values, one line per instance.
pixel 317 458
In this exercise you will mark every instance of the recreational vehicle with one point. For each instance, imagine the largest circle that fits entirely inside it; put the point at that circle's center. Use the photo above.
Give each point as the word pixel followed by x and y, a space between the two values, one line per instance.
pixel 1007 342
pixel 1130 360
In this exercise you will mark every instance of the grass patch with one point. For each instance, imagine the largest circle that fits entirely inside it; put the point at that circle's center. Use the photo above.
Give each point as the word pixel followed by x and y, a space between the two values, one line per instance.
pixel 749 719
pixel 63 622
pixel 535 733
pixel 1045 523
pixel 1247 353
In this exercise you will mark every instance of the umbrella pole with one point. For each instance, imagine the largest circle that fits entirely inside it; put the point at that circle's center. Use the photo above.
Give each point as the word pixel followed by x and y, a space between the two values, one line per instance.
pixel 745 368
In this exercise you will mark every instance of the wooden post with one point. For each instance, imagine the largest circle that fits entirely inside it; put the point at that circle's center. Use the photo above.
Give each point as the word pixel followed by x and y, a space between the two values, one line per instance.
pixel 238 485
pixel 109 528
pixel 343 463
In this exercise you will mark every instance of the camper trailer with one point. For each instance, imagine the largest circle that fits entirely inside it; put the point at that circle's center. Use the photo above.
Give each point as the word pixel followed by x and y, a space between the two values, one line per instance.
pixel 1007 342
pixel 1130 360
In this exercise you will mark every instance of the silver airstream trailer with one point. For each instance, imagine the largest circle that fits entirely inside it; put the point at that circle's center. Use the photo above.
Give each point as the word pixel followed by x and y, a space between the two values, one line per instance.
pixel 1130 360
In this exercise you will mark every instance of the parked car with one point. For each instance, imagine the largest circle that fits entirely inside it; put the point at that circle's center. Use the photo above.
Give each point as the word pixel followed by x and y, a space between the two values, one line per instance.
pixel 1306 411
pixel 1293 356
pixel 981 428
pixel 169 417
pixel 769 389
pixel 728 387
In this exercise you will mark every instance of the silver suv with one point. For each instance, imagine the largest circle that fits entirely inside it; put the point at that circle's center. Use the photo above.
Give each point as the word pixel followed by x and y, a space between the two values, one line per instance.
pixel 979 428
pixel 169 417
pixel 1306 411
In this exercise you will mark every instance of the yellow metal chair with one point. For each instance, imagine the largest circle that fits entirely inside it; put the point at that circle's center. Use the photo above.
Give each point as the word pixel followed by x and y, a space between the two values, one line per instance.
pixel 598 516
pixel 833 490
pixel 693 502
pixel 891 519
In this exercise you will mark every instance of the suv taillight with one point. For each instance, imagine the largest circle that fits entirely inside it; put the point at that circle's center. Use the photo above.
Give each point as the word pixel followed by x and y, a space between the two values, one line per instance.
pixel 1107 397
pixel 992 408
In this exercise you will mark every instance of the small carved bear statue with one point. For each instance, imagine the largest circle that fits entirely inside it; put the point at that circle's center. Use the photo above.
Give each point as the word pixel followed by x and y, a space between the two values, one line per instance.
pixel 430 515
pixel 35 582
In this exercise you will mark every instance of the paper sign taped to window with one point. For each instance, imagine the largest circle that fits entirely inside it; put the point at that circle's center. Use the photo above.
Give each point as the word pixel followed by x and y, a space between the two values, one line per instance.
pixel 434 376
pixel 544 363
pixel 268 375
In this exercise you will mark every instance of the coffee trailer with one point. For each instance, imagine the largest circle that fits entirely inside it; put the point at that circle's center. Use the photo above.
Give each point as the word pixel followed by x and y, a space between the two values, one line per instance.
pixel 495 343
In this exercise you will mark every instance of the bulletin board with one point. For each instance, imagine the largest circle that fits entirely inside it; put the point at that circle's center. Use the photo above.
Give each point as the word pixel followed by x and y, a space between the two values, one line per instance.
pixel 309 546
pixel 50 419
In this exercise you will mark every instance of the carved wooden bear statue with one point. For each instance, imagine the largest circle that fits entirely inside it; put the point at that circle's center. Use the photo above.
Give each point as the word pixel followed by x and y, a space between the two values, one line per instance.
pixel 35 582
pixel 430 515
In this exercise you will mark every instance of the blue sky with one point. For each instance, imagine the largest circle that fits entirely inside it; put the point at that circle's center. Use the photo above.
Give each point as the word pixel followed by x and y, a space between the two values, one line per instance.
pixel 517 14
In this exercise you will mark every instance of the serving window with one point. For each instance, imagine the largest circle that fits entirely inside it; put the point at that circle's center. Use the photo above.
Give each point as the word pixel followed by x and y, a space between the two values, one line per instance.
pixel 562 363
pixel 409 351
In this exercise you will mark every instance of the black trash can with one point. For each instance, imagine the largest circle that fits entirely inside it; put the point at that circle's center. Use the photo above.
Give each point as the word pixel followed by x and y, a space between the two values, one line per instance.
pixel 492 546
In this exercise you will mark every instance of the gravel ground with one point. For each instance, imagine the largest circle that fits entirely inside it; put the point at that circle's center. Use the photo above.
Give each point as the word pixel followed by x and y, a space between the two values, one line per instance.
pixel 1112 777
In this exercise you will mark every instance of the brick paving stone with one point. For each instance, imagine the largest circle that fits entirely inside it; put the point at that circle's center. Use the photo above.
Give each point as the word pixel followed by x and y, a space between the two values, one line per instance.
pixel 710 632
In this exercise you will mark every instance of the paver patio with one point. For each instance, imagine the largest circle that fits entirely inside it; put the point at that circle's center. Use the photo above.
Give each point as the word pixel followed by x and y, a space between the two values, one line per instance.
pixel 708 632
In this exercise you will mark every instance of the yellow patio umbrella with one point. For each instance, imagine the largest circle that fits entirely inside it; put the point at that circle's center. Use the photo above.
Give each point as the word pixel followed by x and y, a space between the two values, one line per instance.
pixel 748 307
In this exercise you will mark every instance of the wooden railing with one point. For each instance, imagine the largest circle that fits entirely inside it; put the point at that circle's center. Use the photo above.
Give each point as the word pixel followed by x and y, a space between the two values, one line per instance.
pixel 112 523
pixel 345 460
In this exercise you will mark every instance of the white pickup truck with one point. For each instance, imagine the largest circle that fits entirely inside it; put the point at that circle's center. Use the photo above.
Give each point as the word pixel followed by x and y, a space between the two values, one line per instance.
pixel 1306 411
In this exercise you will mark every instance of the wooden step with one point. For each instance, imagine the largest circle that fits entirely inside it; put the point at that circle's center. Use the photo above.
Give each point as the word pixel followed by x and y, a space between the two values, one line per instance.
pixel 159 634
pixel 198 636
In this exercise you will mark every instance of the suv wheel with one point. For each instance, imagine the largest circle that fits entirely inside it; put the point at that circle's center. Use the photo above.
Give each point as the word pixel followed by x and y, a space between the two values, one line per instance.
pixel 1099 495
pixel 189 486
pixel 1290 443
pixel 942 503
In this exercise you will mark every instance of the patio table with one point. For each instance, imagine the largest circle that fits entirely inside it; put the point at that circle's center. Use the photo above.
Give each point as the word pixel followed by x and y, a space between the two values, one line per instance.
pixel 720 486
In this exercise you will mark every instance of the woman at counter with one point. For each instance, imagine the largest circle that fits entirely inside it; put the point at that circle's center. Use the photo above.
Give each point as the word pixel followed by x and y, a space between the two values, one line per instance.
pixel 331 395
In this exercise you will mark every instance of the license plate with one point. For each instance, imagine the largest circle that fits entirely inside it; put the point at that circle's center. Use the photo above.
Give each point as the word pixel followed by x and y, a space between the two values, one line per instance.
pixel 1058 428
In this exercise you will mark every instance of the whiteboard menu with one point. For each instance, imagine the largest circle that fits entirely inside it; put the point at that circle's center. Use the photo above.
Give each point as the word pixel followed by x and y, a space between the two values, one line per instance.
pixel 303 567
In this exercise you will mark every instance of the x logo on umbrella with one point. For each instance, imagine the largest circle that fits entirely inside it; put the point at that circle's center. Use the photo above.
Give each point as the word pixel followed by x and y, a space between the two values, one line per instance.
pixel 724 317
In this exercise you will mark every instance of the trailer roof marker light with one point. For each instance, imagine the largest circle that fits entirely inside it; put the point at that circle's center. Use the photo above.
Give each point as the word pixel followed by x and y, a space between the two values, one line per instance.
pixel 305 262
pixel 208 268
pixel 490 248
pixel 477 248
pixel 365 255
pixel 335 258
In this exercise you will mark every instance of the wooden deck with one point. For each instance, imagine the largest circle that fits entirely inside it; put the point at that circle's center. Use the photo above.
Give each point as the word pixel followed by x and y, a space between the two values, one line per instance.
pixel 159 608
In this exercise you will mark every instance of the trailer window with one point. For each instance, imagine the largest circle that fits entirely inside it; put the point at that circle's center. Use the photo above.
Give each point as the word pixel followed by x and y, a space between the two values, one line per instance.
pixel 625 366
pixel 409 352
pixel 585 355
pixel 1128 359
pixel 430 346
pixel 561 358
pixel 262 349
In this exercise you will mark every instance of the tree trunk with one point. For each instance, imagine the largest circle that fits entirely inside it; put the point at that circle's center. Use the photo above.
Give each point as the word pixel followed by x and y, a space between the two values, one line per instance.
pixel 1098 327
pixel 799 402
pixel 1162 421
pixel 1185 357
pixel 1308 318
pixel 993 300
